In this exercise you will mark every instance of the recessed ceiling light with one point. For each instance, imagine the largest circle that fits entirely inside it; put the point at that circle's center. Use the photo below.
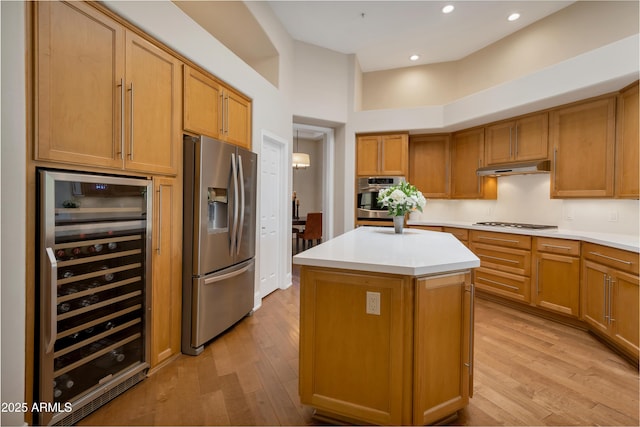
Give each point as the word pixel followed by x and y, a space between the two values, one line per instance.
pixel 513 16
pixel 414 57
pixel 448 8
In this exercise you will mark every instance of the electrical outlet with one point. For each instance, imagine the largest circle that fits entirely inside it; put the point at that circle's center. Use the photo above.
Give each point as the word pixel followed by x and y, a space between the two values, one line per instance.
pixel 613 216
pixel 373 303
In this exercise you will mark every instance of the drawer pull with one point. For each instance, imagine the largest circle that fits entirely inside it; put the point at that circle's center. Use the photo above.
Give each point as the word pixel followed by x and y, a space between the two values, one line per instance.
pixel 499 283
pixel 611 258
pixel 499 259
pixel 499 240
pixel 556 246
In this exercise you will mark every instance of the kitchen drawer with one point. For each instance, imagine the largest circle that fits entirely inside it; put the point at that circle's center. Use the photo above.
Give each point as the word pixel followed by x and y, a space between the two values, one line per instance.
pixel 557 246
pixel 616 258
pixel 508 285
pixel 461 233
pixel 427 227
pixel 516 261
pixel 501 239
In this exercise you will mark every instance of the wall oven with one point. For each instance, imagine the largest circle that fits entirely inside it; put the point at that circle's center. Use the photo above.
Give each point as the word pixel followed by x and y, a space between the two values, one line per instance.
pixel 93 250
pixel 367 203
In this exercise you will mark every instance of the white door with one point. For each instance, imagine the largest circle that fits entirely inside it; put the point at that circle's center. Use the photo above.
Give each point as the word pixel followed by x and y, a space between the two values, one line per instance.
pixel 272 184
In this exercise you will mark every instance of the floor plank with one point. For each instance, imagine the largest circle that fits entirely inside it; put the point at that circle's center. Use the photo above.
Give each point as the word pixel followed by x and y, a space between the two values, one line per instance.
pixel 528 371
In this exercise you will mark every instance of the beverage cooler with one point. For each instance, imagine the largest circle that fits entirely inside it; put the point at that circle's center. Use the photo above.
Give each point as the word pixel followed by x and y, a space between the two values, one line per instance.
pixel 94 290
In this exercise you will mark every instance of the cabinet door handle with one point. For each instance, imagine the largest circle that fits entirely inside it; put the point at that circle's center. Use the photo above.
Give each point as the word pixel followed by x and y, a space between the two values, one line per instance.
pixel 555 175
pixel 611 284
pixel 469 363
pixel 605 293
pixel 516 141
pixel 226 116
pixel 121 86
pixel 131 124
pixel 611 258
pixel 499 240
pixel 479 178
pixel 221 113
pixel 556 246
pixel 538 276
pixel 159 248
pixel 510 143
pixel 499 283
pixel 499 259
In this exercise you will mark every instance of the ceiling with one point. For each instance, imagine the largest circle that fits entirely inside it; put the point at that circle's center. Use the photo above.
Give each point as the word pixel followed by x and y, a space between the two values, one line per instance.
pixel 383 34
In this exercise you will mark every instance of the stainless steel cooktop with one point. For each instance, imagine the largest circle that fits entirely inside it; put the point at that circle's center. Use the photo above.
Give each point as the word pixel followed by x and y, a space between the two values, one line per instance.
pixel 516 225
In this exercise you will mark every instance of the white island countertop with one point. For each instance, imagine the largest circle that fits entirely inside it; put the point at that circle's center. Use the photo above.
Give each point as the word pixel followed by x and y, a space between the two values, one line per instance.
pixel 378 249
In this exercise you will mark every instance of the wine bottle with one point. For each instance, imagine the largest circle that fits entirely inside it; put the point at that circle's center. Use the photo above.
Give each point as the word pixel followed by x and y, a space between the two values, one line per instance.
pixel 67 274
pixel 91 299
pixel 107 276
pixel 66 381
pixel 63 307
pixel 95 248
pixel 117 355
pixel 112 245
pixel 60 253
pixel 57 393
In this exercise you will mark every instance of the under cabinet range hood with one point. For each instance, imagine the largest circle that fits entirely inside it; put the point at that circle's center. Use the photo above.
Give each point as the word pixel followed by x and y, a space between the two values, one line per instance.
pixel 539 166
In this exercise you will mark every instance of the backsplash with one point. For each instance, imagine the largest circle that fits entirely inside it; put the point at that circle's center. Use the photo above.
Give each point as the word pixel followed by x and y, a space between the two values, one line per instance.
pixel 525 198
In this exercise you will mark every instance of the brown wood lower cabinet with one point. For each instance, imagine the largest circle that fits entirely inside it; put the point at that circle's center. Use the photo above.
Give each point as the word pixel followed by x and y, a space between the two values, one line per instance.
pixel 166 292
pixel 556 275
pixel 410 364
pixel 610 295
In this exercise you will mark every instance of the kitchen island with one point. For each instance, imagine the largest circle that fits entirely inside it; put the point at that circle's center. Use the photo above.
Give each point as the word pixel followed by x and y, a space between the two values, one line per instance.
pixel 386 326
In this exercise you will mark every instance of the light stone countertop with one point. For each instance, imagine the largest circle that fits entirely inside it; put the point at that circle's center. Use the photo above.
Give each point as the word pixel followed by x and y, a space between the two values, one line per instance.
pixel 378 249
pixel 619 241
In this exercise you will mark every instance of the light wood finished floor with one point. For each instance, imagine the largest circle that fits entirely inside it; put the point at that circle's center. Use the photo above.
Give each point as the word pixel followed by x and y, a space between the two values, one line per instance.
pixel 528 371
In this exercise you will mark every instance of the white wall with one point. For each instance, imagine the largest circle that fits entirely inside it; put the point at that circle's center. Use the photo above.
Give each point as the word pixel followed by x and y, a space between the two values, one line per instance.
pixel 525 198
pixel 13 191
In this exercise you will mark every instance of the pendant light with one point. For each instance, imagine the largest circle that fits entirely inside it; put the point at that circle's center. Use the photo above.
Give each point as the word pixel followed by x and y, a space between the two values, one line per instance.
pixel 300 160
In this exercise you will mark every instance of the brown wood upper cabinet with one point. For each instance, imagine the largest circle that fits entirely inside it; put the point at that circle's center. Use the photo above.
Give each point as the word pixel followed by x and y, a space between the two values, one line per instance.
pixel 216 110
pixel 582 136
pixel 526 138
pixel 467 155
pixel 430 164
pixel 627 142
pixel 382 155
pixel 105 96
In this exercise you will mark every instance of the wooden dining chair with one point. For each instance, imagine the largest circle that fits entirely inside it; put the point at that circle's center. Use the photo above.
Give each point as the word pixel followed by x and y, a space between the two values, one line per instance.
pixel 312 230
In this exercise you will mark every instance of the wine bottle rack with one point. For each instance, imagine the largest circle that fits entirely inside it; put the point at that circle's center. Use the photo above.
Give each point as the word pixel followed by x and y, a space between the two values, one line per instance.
pixel 100 315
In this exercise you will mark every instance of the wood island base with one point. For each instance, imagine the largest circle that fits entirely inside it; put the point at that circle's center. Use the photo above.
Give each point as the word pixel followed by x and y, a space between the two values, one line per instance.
pixel 387 349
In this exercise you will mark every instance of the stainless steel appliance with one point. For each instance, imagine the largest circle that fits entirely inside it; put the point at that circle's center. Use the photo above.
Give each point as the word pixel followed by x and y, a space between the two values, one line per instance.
pixel 93 250
pixel 219 239
pixel 516 225
pixel 368 189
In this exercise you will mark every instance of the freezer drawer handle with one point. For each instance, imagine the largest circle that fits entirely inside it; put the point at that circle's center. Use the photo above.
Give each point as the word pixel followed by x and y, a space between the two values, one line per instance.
pixel 226 276
pixel 52 288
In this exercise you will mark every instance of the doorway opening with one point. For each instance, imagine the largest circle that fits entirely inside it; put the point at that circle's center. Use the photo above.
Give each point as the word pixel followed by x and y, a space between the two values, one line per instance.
pixel 313 186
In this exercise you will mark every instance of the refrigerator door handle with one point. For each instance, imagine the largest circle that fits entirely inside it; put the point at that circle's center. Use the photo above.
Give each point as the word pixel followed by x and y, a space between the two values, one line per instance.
pixel 51 286
pixel 234 225
pixel 242 201
pixel 226 276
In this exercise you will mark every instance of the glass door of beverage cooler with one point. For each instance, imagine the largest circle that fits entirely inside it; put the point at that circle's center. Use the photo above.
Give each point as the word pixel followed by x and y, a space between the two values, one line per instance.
pixel 94 248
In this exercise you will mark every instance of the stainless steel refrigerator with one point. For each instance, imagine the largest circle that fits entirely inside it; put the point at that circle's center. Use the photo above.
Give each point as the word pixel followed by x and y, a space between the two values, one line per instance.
pixel 219 239
pixel 93 261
